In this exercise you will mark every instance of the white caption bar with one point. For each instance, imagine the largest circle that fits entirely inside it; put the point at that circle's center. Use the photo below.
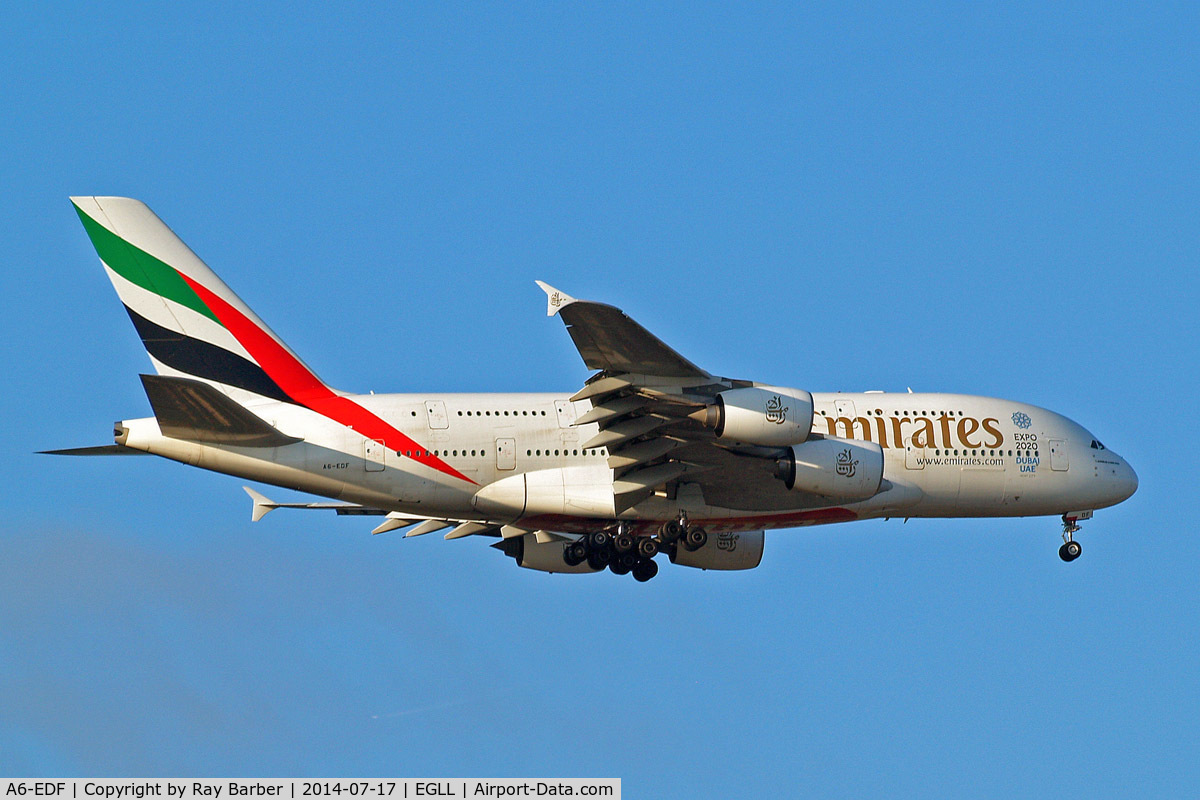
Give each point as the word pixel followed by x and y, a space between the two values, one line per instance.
pixel 289 789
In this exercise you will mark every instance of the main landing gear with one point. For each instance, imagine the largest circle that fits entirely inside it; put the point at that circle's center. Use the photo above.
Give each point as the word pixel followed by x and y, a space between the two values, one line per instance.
pixel 1070 549
pixel 625 553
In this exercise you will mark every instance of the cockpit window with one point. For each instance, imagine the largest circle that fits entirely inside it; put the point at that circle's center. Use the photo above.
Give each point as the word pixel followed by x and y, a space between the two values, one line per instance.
pixel 1097 445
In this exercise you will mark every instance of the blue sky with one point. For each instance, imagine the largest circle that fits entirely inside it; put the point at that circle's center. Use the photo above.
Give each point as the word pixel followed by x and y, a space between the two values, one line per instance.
pixel 978 199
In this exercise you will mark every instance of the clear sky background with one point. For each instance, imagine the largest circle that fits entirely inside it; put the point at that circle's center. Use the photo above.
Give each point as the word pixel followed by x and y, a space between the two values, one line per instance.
pixel 953 197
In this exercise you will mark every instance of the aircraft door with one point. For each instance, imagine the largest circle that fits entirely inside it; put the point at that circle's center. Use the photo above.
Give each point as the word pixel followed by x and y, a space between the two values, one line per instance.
pixel 914 457
pixel 506 454
pixel 436 410
pixel 1059 461
pixel 845 408
pixel 373 453
pixel 566 413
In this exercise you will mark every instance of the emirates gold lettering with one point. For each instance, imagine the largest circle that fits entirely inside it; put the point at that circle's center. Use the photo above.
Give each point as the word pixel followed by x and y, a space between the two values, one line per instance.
pixel 891 431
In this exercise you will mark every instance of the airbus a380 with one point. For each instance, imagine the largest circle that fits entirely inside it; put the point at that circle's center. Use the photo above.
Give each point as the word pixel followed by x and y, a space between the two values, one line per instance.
pixel 653 455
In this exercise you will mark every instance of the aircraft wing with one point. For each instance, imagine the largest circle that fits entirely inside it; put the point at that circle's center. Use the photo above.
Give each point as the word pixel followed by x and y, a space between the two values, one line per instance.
pixel 650 405
pixel 398 520
pixel 609 340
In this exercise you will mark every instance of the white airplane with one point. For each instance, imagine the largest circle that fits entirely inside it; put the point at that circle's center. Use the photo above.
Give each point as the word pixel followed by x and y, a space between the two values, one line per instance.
pixel 652 455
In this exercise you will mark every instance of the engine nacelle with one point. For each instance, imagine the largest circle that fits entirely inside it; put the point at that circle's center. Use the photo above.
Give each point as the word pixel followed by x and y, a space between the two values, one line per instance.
pixel 764 415
pixel 833 467
pixel 529 553
pixel 723 551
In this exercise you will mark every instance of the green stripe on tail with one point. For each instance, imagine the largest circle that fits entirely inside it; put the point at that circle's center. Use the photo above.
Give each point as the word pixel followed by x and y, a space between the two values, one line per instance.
pixel 140 268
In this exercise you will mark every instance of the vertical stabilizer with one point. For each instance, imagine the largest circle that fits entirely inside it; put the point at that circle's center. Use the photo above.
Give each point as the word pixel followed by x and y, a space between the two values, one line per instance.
pixel 190 322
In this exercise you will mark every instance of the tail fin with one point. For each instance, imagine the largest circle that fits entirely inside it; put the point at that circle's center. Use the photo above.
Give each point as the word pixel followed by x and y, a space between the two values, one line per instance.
pixel 190 322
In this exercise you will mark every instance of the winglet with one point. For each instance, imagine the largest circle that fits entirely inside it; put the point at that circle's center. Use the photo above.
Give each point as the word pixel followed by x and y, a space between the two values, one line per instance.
pixel 555 299
pixel 262 506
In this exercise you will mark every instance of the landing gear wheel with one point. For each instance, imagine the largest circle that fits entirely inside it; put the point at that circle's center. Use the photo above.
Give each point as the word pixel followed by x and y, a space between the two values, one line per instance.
pixel 619 567
pixel 623 542
pixel 644 570
pixel 671 531
pixel 647 547
pixel 1070 551
pixel 695 538
pixel 598 540
pixel 598 559
pixel 574 554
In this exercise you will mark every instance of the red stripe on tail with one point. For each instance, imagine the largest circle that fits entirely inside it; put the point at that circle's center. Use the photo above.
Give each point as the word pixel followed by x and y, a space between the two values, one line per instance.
pixel 305 388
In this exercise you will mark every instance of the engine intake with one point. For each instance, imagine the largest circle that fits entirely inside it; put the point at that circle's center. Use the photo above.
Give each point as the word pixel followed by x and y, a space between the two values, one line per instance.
pixel 764 415
pixel 833 467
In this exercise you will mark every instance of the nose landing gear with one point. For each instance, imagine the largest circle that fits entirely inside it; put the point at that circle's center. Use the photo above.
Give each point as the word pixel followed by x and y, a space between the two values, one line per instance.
pixel 1070 549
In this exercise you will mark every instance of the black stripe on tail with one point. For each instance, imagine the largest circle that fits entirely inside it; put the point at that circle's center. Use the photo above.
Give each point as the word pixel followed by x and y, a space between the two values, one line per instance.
pixel 203 360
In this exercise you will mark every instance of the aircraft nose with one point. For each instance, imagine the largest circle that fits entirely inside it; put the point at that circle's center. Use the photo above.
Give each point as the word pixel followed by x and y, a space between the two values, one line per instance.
pixel 1127 479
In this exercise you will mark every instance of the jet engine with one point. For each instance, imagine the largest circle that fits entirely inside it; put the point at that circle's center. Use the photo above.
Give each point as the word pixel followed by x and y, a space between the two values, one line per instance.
pixel 723 551
pixel 529 553
pixel 764 415
pixel 833 467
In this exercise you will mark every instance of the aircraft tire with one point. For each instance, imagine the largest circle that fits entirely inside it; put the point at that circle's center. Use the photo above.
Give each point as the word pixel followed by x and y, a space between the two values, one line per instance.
pixel 598 559
pixel 647 547
pixel 695 538
pixel 598 540
pixel 623 542
pixel 619 567
pixel 574 554
pixel 644 570
pixel 670 531
pixel 1070 551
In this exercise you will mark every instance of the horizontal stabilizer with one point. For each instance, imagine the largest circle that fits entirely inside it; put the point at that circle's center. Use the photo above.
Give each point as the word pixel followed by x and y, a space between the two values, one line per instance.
pixel 198 412
pixel 264 505
pixel 101 450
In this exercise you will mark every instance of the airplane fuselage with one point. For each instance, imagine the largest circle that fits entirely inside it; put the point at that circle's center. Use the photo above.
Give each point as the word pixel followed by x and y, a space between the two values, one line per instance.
pixel 946 455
